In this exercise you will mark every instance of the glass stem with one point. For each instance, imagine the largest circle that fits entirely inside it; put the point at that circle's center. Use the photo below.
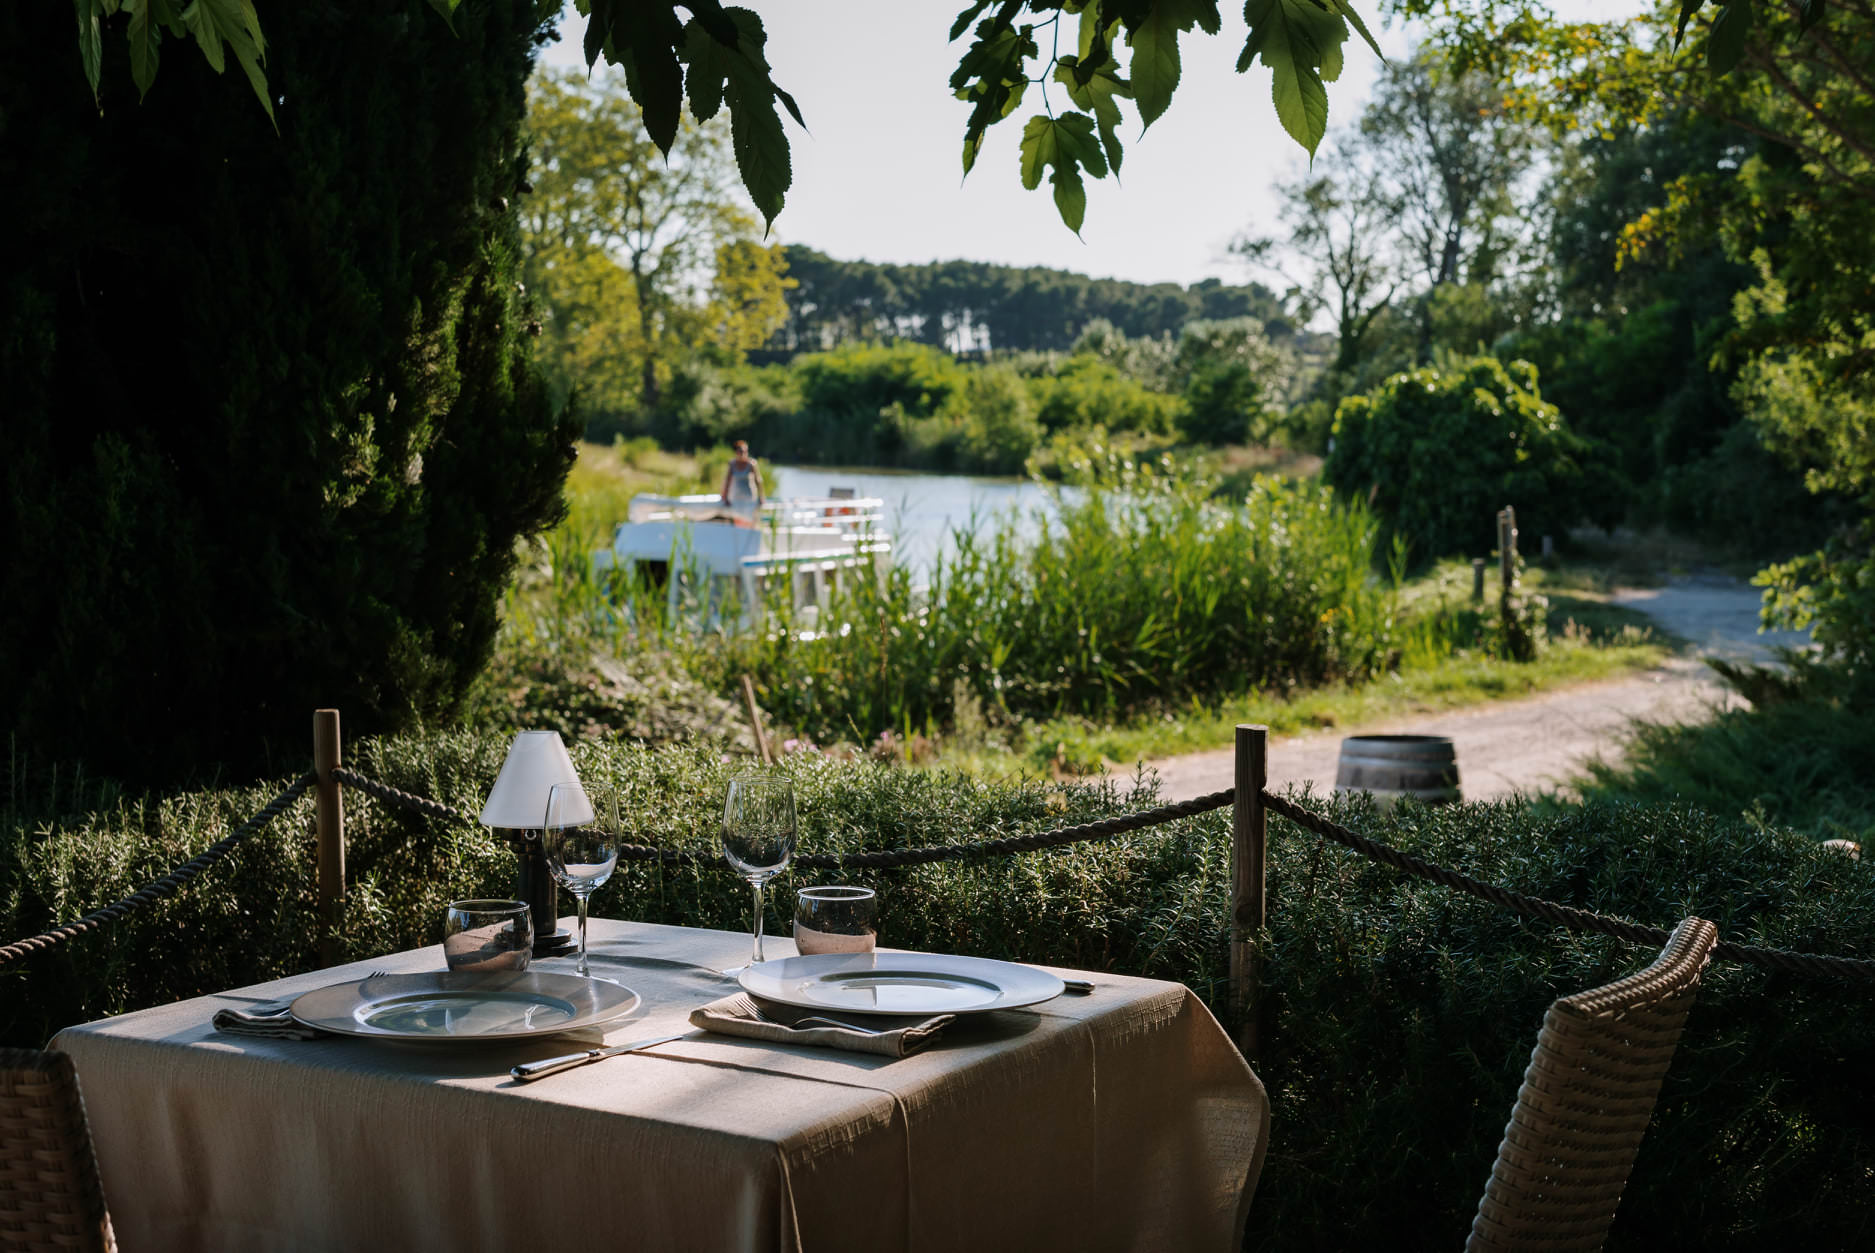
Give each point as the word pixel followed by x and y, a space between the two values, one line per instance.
pixel 755 955
pixel 582 933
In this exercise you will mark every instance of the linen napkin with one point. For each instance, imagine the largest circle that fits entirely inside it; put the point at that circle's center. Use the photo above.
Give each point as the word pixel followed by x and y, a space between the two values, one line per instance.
pixel 739 1014
pixel 273 1022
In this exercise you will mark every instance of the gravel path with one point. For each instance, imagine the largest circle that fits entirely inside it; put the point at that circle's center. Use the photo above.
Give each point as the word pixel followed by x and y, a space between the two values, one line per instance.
pixel 1540 742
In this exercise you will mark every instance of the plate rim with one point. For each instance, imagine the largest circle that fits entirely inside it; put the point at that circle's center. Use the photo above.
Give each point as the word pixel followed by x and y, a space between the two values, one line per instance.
pixel 351 1027
pixel 1019 1001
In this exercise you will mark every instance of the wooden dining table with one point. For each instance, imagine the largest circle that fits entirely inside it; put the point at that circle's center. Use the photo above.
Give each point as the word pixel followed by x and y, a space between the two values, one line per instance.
pixel 1120 1119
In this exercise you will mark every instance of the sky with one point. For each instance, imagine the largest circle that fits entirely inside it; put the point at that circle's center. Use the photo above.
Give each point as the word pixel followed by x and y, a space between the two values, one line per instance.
pixel 877 174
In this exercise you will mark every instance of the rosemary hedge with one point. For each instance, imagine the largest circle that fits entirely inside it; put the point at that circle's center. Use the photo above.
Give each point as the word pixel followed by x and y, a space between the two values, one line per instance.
pixel 1402 1014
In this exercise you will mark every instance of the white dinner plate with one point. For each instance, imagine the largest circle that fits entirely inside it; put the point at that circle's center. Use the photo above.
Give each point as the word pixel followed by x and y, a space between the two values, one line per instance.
pixel 899 983
pixel 464 1005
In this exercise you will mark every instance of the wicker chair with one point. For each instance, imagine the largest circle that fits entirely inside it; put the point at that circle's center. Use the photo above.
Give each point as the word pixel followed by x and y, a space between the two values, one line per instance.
pixel 50 1198
pixel 1585 1103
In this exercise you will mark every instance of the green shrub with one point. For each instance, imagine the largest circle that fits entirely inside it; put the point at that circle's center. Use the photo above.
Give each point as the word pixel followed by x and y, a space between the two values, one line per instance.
pixel 1402 1015
pixel 1224 405
pixel 1088 391
pixel 861 379
pixel 1802 756
pixel 1439 450
pixel 1000 430
pixel 271 427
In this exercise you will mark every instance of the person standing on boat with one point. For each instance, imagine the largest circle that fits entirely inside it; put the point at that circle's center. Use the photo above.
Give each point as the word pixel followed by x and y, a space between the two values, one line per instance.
pixel 742 482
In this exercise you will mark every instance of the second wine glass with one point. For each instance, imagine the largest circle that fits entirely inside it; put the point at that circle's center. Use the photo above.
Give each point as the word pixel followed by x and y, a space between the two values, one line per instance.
pixel 581 843
pixel 758 838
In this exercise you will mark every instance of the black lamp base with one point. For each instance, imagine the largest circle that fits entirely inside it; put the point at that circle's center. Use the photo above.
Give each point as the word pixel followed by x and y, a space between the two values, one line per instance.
pixel 555 944
pixel 534 884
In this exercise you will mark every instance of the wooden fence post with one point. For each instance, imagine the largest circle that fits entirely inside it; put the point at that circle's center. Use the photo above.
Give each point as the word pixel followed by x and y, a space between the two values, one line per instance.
pixel 1477 578
pixel 1507 547
pixel 755 721
pixel 1249 839
pixel 329 811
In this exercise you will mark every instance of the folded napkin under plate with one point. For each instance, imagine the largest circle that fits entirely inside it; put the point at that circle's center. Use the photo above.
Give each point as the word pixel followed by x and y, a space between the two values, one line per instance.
pixel 740 1015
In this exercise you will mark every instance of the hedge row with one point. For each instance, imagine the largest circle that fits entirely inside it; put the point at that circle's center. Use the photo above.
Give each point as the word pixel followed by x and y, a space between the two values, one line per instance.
pixel 1403 1015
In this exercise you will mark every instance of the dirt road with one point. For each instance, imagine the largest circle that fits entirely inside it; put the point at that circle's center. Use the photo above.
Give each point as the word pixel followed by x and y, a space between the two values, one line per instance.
pixel 1540 742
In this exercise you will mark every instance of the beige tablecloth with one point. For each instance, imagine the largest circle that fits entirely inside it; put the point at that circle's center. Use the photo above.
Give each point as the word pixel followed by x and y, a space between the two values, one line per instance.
pixel 1120 1120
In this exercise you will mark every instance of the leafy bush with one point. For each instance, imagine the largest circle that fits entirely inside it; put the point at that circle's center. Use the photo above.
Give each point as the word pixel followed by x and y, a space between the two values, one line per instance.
pixel 1439 450
pixel 1224 405
pixel 862 379
pixel 1827 425
pixel 1802 756
pixel 1087 391
pixel 1000 430
pixel 1233 380
pixel 1402 1015
pixel 271 426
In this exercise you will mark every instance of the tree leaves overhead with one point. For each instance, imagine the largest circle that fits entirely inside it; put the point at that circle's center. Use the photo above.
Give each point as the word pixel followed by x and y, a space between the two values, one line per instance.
pixel 1300 41
pixel 1725 45
pixel 232 23
pixel 1065 144
pixel 715 56
pixel 992 75
pixel 1154 40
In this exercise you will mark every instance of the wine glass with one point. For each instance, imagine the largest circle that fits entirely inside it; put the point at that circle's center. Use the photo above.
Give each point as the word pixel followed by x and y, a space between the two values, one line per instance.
pixel 581 845
pixel 758 838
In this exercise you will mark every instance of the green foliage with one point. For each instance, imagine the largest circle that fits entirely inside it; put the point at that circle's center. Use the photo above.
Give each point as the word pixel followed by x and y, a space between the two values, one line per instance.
pixel 1832 592
pixel 1402 1014
pixel 1234 381
pixel 1001 429
pixel 1801 756
pixel 1086 392
pixel 861 379
pixel 272 427
pixel 1141 591
pixel 977 304
pixel 1438 451
pixel 648 267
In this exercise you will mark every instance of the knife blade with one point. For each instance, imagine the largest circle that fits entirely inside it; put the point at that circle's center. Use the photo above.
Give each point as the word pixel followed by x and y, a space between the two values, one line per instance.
pixel 527 1072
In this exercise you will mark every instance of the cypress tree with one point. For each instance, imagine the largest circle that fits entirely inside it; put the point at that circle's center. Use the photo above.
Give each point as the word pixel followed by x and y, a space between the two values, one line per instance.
pixel 271 426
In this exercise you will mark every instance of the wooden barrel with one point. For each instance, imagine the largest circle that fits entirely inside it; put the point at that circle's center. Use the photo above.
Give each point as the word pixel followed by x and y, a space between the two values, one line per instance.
pixel 1395 767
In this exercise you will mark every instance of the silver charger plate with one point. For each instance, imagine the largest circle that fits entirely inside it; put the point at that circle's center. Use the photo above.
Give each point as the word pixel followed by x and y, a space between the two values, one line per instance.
pixel 456 1005
pixel 907 984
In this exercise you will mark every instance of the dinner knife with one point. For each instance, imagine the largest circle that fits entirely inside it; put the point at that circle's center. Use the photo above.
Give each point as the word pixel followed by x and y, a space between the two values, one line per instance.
pixel 526 1072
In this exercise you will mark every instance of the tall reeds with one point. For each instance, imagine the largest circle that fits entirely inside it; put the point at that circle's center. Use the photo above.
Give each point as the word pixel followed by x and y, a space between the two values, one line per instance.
pixel 1137 592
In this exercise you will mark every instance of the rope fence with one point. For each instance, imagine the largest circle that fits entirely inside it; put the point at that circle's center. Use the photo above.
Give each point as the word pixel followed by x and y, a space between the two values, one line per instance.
pixel 169 884
pixel 1252 801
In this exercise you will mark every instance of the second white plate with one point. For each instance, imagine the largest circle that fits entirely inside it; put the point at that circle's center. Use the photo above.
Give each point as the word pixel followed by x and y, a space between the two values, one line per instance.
pixel 908 984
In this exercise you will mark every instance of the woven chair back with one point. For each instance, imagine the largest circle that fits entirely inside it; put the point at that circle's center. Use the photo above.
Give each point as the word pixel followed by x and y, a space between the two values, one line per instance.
pixel 1585 1103
pixel 50 1198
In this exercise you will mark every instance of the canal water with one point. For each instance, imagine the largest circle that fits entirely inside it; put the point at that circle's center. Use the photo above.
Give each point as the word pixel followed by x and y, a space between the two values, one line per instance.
pixel 921 510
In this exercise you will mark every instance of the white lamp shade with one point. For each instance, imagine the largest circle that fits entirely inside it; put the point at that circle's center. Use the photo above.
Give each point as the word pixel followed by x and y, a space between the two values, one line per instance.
pixel 536 761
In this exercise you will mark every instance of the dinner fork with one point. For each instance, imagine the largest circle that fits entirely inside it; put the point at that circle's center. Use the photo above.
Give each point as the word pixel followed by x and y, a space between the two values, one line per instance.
pixel 816 1019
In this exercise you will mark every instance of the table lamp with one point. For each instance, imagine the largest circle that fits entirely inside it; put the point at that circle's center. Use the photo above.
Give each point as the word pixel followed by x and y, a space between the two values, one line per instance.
pixel 517 805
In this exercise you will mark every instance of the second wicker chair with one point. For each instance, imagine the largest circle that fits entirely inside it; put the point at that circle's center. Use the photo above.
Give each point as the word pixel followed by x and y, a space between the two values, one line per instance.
pixel 1585 1103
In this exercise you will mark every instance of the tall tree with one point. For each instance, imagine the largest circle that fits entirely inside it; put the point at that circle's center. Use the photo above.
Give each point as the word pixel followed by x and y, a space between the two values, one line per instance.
pixel 1454 155
pixel 639 256
pixel 1338 217
pixel 271 424
pixel 1791 203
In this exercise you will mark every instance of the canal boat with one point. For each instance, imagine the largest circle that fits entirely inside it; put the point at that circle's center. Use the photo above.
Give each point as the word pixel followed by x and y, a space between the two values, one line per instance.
pixel 725 563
